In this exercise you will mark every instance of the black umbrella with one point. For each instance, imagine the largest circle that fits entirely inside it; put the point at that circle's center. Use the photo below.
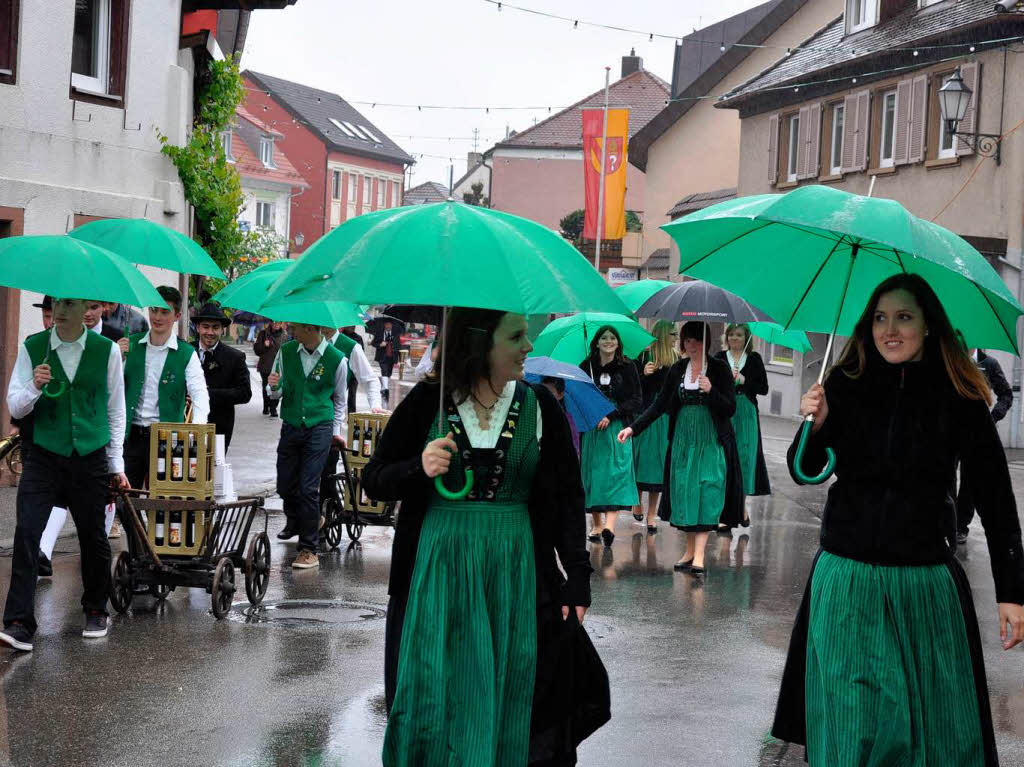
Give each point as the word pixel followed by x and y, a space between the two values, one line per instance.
pixel 424 315
pixel 699 300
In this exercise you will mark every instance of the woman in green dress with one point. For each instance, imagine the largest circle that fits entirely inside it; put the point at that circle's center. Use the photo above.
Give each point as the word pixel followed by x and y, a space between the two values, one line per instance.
pixel 650 448
pixel 701 472
pixel 479 608
pixel 607 466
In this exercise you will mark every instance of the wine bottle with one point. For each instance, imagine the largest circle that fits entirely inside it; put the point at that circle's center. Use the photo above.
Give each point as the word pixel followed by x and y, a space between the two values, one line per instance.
pixel 356 439
pixel 161 456
pixel 158 537
pixel 367 440
pixel 175 531
pixel 177 458
pixel 193 458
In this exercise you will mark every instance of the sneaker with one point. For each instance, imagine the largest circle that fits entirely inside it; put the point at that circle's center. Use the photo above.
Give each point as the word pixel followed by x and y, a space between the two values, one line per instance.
pixel 115 530
pixel 306 560
pixel 17 637
pixel 95 625
pixel 45 566
pixel 286 533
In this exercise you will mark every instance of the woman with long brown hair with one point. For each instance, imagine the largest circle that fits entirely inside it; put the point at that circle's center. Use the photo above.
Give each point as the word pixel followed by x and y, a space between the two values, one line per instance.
pixel 885 663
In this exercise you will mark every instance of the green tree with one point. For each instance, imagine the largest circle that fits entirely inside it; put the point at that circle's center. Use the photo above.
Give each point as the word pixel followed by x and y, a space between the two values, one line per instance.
pixel 476 196
pixel 572 227
pixel 633 222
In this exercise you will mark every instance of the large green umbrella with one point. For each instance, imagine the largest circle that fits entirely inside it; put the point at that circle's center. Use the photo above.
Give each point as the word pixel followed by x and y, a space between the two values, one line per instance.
pixel 141 241
pixel 774 333
pixel 64 267
pixel 567 339
pixel 634 294
pixel 812 257
pixel 225 294
pixel 250 290
pixel 447 254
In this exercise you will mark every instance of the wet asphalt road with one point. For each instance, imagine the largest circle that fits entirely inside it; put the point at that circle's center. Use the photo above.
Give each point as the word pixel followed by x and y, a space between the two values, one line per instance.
pixel 694 667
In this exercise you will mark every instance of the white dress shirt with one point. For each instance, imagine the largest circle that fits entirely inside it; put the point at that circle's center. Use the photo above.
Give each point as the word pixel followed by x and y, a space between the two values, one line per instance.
pixel 203 351
pixel 22 393
pixel 425 366
pixel 148 410
pixel 364 373
pixel 340 393
pixel 487 439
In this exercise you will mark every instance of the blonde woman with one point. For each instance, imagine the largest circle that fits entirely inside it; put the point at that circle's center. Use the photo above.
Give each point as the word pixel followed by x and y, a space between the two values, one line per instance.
pixel 650 448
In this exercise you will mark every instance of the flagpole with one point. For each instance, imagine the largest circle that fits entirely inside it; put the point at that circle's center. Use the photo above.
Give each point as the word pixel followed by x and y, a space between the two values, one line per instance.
pixel 604 155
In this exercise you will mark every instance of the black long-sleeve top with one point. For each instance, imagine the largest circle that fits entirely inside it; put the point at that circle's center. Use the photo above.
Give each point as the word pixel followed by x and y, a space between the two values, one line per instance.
pixel 897 432
pixel 755 378
pixel 721 399
pixel 1003 391
pixel 622 387
pixel 650 385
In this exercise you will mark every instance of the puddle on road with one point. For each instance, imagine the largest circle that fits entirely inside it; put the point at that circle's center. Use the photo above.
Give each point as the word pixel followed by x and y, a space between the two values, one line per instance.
pixel 305 613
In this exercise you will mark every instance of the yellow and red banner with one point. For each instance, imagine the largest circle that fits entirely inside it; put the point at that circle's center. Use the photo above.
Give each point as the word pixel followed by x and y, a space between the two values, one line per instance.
pixel 614 224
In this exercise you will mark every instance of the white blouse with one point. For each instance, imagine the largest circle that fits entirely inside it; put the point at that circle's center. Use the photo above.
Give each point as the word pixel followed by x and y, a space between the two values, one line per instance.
pixel 487 439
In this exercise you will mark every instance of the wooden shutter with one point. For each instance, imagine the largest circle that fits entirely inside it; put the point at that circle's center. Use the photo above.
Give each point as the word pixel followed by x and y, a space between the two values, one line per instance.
pixel 810 146
pixel 918 127
pixel 804 118
pixel 863 121
pixel 970 73
pixel 901 123
pixel 849 133
pixel 773 149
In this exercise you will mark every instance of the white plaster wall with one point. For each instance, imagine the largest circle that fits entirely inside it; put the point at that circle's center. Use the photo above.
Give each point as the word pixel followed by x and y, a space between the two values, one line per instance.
pixel 265 191
pixel 54 166
pixel 481 175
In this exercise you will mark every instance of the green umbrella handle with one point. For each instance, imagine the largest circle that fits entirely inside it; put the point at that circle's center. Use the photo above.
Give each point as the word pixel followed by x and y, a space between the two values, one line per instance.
pixel 457 495
pixel 54 393
pixel 798 458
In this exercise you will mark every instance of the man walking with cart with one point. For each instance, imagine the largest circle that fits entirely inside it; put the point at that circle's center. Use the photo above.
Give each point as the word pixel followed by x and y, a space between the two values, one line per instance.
pixel 70 381
pixel 310 378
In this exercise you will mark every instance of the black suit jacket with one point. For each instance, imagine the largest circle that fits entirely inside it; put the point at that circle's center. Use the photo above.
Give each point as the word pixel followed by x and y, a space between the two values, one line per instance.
pixel 113 334
pixel 227 379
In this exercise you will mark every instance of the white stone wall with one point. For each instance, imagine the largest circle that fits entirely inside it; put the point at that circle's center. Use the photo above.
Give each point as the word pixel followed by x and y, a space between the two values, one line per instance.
pixel 278 195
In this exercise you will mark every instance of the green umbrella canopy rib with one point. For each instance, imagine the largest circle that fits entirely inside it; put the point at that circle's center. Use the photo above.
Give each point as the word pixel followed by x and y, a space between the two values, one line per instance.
pixel 635 294
pixel 141 241
pixel 65 267
pixel 447 254
pixel 776 334
pixel 790 256
pixel 567 339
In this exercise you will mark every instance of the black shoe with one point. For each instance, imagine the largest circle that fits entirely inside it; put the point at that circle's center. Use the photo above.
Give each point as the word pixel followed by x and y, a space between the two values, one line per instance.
pixel 286 533
pixel 652 529
pixel 724 530
pixel 697 572
pixel 682 566
pixel 266 412
pixel 607 536
pixel 961 537
pixel 638 517
pixel 17 637
pixel 95 625
pixel 745 522
pixel 45 566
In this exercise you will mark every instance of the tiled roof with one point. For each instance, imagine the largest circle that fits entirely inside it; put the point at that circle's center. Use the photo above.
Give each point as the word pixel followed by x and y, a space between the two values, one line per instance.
pixel 658 258
pixel 249 165
pixel 831 48
pixel 245 114
pixel 428 191
pixel 701 200
pixel 329 116
pixel 643 92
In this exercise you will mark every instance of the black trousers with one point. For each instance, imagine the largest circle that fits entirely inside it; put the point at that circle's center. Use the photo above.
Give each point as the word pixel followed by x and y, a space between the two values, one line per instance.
pixel 386 365
pixel 269 405
pixel 353 386
pixel 964 506
pixel 301 456
pixel 136 456
pixel 81 484
pixel 328 487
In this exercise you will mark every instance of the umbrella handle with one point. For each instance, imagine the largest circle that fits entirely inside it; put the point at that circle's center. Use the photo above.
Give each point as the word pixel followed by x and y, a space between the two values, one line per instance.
pixel 457 495
pixel 51 393
pixel 798 458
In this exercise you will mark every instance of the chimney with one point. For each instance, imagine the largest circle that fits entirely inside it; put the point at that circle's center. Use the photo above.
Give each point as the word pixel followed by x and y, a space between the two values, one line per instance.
pixel 631 63
pixel 473 159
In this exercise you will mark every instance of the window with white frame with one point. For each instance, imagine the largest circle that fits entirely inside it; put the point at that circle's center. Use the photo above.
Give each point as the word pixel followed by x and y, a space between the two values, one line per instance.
pixel 794 147
pixel 947 141
pixel 336 184
pixel 888 137
pixel 861 14
pixel 225 141
pixel 90 50
pixel 396 194
pixel 382 186
pixel 367 189
pixel 353 188
pixel 267 151
pixel 836 150
pixel 264 214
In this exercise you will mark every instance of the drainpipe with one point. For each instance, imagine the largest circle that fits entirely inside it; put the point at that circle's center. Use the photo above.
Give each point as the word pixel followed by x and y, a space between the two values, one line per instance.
pixel 490 180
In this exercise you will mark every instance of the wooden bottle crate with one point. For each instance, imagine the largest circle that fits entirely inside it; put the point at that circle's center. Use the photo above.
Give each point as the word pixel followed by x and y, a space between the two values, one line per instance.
pixel 368 427
pixel 200 488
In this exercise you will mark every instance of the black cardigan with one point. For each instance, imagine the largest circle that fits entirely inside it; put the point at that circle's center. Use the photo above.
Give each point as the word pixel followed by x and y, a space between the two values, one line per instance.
pixel 722 404
pixel 755 382
pixel 649 385
pixel 624 390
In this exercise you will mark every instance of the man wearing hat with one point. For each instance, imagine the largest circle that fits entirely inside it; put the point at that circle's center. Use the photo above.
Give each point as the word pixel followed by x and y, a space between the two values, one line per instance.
pixel 227 377
pixel 46 305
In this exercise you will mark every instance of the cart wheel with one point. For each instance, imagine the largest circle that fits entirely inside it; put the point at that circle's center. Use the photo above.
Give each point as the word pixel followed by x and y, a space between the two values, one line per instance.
pixel 257 568
pixel 223 590
pixel 160 591
pixel 122 583
pixel 354 531
pixel 332 522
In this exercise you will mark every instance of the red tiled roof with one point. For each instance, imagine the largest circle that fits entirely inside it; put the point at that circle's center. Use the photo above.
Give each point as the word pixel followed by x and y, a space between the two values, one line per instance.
pixel 643 92
pixel 249 165
pixel 245 114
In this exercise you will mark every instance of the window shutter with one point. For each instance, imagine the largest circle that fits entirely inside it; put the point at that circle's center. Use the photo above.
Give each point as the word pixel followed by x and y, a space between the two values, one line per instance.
pixel 849 133
pixel 773 149
pixel 811 146
pixel 918 128
pixel 970 73
pixel 804 117
pixel 901 123
pixel 863 116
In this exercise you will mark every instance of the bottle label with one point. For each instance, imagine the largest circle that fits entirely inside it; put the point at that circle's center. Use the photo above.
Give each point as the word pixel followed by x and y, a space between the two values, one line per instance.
pixel 161 465
pixel 175 468
pixel 175 534
pixel 193 465
pixel 159 531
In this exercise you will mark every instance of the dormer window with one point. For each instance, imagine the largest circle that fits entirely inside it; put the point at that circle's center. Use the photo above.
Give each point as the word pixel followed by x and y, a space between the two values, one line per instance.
pixel 861 14
pixel 225 140
pixel 267 151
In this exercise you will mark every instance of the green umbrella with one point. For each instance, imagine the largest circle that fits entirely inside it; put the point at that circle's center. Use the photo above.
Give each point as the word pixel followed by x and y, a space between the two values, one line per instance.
pixel 812 257
pixel 141 241
pixel 225 294
pixel 248 292
pixel 774 333
pixel 447 254
pixel 567 339
pixel 634 294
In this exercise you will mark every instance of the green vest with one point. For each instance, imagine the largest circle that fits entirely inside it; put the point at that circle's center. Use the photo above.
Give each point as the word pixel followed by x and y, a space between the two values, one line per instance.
pixel 77 420
pixel 171 389
pixel 345 345
pixel 306 401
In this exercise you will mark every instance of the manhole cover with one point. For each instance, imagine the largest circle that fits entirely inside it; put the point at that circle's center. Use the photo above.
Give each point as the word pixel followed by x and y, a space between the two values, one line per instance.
pixel 305 612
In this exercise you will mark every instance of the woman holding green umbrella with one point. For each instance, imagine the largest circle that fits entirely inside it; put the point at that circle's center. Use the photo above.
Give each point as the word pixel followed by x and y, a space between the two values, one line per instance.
pixel 885 664
pixel 607 466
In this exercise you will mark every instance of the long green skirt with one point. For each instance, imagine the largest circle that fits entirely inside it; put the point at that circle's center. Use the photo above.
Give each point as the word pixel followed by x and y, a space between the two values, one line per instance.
pixel 697 472
pixel 607 466
pixel 744 423
pixel 649 451
pixel 889 678
pixel 464 692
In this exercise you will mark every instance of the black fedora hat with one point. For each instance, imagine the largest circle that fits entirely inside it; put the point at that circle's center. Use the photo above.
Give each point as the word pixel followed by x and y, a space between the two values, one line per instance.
pixel 211 311
pixel 47 303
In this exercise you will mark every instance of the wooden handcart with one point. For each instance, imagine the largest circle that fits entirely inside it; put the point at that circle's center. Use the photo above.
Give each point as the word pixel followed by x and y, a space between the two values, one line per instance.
pixel 348 505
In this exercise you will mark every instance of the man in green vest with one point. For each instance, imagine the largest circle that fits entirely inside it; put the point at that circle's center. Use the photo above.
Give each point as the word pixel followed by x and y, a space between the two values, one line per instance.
pixel 310 377
pixel 159 370
pixel 70 381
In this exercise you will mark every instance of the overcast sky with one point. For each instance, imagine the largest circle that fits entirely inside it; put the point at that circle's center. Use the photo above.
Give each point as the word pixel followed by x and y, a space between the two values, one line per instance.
pixel 464 53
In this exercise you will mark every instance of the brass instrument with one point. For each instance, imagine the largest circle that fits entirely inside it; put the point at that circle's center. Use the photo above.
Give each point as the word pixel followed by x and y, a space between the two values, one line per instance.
pixel 10 451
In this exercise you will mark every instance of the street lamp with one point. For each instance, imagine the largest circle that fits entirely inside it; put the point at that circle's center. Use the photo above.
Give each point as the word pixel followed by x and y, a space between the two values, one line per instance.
pixel 954 99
